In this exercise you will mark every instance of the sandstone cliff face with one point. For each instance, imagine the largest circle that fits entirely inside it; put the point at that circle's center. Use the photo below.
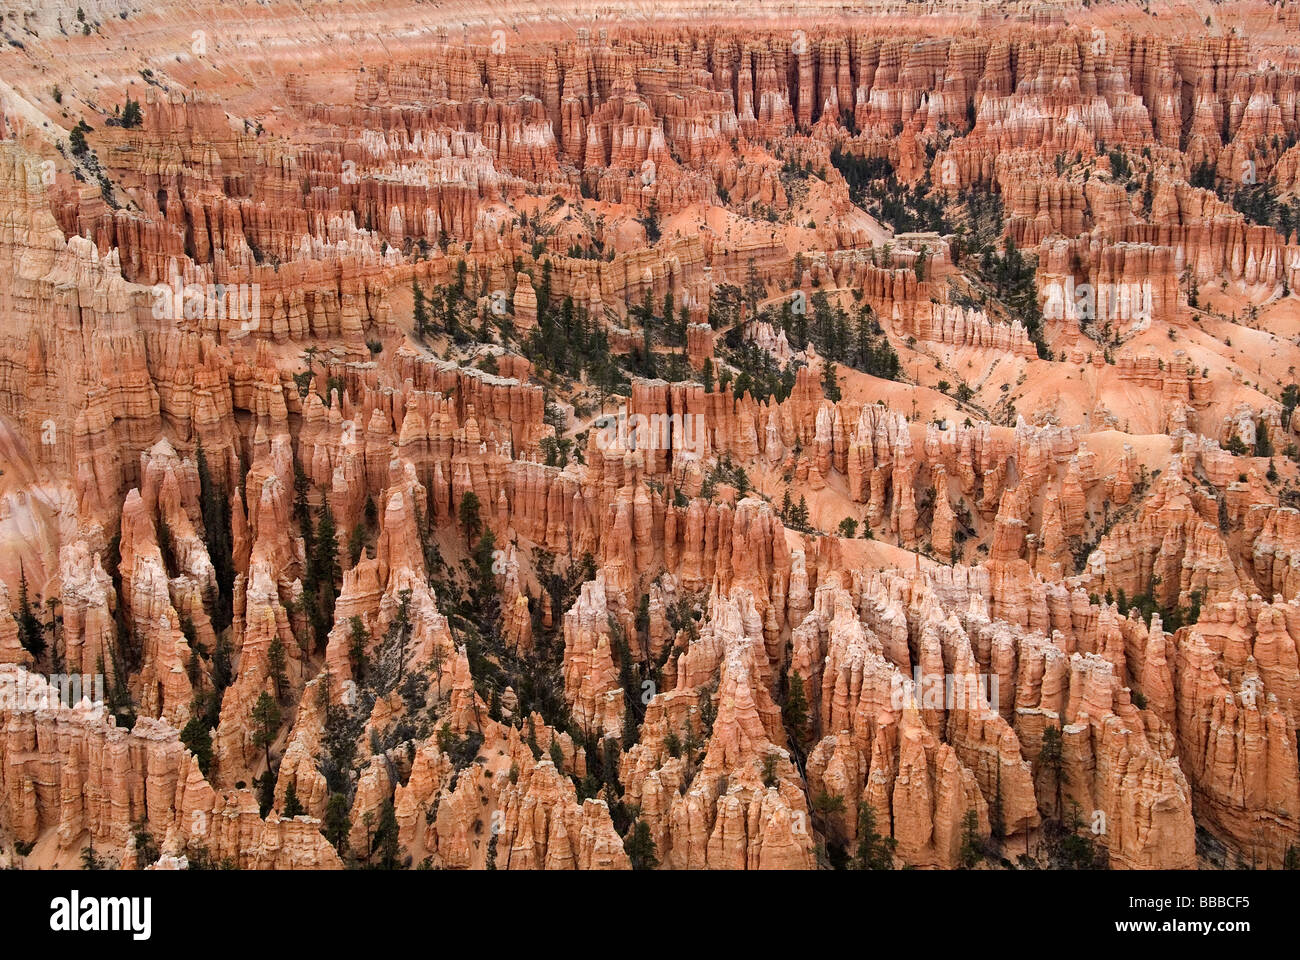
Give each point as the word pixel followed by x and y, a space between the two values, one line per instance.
pixel 73 778
pixel 956 499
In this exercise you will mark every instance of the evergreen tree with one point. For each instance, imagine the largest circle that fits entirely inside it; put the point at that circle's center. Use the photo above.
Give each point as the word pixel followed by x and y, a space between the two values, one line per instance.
pixel 30 632
pixel 276 663
pixel 799 515
pixel 359 638
pixel 146 848
pixel 468 512
pixel 795 712
pixel 131 115
pixel 356 544
pixel 197 738
pixel 420 310
pixel 1050 757
pixel 874 851
pixel 322 576
pixel 754 289
pixel 970 841
pixel 336 826
pixel 639 846
pixel 266 719
pixel 292 806
pixel 265 792
pixel 89 860
pixel 215 509
pixel 830 383
pixel 651 221
pixel 385 839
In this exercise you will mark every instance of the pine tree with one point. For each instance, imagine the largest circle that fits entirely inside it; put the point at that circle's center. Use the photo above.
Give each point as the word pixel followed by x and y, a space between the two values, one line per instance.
pixel 639 846
pixel 799 515
pixel 650 221
pixel 468 513
pixel 753 286
pixel 276 663
pixel 795 712
pixel 385 838
pixel 830 383
pixel 30 632
pixel 336 826
pixel 874 851
pixel 970 841
pixel 266 718
pixel 89 860
pixel 322 576
pixel 1050 757
pixel 131 115
pixel 216 536
pixel 420 310
pixel 292 806
pixel 356 544
pixel 359 638
pixel 197 738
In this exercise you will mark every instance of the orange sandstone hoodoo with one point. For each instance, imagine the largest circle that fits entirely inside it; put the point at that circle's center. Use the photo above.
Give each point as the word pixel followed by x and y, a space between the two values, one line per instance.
pixel 960 514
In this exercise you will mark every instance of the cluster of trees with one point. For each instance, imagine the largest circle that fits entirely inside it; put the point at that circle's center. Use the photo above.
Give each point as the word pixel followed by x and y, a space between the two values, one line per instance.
pixel 856 341
pixel 1010 275
pixel 1071 845
pixel 322 573
pixel 873 186
pixel 210 684
pixel 981 221
pixel 724 306
pixel 214 505
pixel 728 472
pixel 446 310
pixel 77 138
pixel 1258 202
pixel 651 222
pixel 131 114
pixel 1147 606
pixel 757 371
pixel 795 515
pixel 568 341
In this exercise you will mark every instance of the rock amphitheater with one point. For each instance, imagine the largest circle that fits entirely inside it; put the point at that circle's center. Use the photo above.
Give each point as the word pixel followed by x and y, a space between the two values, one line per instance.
pixel 694 435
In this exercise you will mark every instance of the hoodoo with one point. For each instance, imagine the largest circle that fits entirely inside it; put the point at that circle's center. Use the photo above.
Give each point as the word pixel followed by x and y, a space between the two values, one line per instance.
pixel 518 439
